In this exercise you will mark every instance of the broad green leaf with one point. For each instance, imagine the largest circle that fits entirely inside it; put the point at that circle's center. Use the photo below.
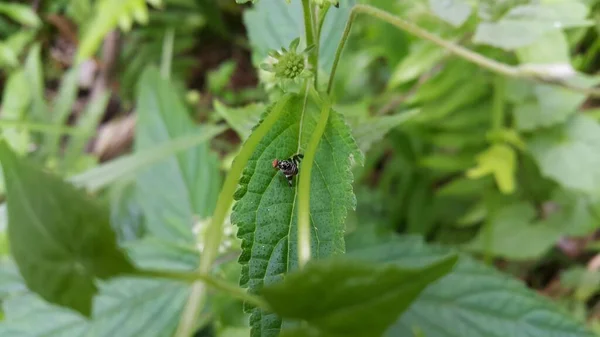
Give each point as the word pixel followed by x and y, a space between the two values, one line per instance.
pixel 548 106
pixel 11 282
pixel 471 301
pixel 126 215
pixel 369 131
pixel 498 160
pixel 130 307
pixel 60 239
pixel 28 315
pixel 513 233
pixel 551 48
pixel 568 154
pixel 524 24
pixel 576 214
pixel 346 298
pixel 127 307
pixel 266 209
pixel 21 13
pixel 184 187
pixel 540 105
pixel 158 254
pixel 273 24
pixel 455 12
pixel 243 119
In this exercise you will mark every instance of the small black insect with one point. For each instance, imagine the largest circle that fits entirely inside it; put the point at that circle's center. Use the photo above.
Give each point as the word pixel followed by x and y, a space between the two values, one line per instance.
pixel 289 167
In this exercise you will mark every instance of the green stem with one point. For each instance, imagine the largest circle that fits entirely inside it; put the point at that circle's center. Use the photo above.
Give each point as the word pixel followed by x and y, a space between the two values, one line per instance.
pixel 466 54
pixel 214 232
pixel 167 53
pixel 310 36
pixel 497 126
pixel 304 253
pixel 498 104
pixel 208 280
pixel 320 19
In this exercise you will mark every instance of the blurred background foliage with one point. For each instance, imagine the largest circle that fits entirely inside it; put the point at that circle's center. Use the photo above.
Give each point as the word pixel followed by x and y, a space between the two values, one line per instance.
pixel 505 169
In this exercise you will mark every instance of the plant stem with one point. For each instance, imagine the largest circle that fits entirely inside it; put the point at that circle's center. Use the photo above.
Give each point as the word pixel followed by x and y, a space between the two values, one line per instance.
pixel 167 53
pixel 466 54
pixel 304 253
pixel 498 104
pixel 310 37
pixel 208 280
pixel 214 232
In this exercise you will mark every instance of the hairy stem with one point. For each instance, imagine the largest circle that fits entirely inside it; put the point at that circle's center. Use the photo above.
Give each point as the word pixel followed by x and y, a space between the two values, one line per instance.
pixel 466 54
pixel 214 232
pixel 304 186
pixel 310 36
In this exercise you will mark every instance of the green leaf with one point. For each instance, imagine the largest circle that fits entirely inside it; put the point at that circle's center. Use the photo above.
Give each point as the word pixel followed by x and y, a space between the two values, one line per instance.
pixel 540 105
pixel 155 253
pixel 349 298
pixel 138 307
pixel 455 12
pixel 130 165
pixel 218 79
pixel 273 24
pixel 109 14
pixel 88 122
pixel 11 282
pixel 369 131
pixel 498 160
pixel 29 315
pixel 132 306
pixel 423 56
pixel 524 24
pixel 243 119
pixel 22 14
pixel 16 100
pixel 266 209
pixel 60 239
pixel 576 214
pixel 188 182
pixel 548 106
pixel 513 233
pixel 471 301
pixel 62 108
pixel 126 216
pixel 568 154
pixel 35 77
pixel 8 57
